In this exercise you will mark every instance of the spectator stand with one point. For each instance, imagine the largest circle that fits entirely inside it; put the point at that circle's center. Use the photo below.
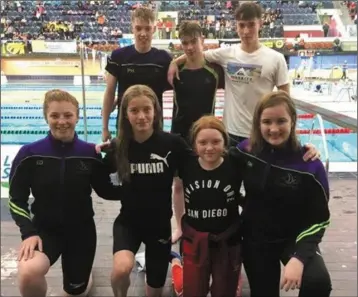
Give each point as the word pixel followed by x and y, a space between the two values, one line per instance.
pixel 65 20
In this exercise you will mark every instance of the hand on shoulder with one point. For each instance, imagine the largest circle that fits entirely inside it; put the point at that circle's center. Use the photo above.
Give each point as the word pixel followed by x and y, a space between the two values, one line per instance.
pixel 311 152
pixel 103 146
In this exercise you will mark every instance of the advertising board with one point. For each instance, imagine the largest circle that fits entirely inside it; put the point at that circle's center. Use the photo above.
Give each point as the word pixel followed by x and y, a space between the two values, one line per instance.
pixel 8 153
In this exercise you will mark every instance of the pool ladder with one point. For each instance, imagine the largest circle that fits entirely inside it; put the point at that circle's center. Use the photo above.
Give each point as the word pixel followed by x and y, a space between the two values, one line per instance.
pixel 324 140
pixel 349 88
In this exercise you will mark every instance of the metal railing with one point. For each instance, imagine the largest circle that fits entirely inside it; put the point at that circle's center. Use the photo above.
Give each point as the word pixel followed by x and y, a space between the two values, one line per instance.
pixel 82 57
pixel 324 140
pixel 349 88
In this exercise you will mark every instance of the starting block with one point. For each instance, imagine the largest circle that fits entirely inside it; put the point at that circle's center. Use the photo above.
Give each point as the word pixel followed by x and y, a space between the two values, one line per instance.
pixel 77 80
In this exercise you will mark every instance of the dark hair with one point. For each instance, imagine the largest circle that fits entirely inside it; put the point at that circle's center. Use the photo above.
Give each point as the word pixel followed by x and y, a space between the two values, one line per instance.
pixel 125 129
pixel 248 11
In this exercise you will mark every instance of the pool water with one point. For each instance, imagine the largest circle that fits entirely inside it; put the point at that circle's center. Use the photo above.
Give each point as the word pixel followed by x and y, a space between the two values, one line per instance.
pixel 24 123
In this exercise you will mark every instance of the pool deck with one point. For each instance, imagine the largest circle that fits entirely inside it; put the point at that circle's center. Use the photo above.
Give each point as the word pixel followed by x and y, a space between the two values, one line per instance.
pixel 339 247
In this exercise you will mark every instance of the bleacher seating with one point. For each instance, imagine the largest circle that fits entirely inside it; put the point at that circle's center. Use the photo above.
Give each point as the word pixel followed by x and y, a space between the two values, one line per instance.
pixel 327 4
pixel 291 13
pixel 220 13
pixel 85 22
pixel 82 18
pixel 295 13
pixel 298 19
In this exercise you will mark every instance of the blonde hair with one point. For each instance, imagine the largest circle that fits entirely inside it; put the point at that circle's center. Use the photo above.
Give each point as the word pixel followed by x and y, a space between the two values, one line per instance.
pixel 125 131
pixel 208 122
pixel 257 142
pixel 143 13
pixel 57 95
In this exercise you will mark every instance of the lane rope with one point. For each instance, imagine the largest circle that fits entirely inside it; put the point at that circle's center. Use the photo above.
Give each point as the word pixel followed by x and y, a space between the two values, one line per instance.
pixel 98 132
pixel 22 117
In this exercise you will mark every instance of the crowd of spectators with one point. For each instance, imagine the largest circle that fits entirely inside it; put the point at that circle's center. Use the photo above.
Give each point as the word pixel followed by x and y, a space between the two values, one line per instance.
pixel 222 25
pixel 218 20
pixel 271 18
pixel 60 20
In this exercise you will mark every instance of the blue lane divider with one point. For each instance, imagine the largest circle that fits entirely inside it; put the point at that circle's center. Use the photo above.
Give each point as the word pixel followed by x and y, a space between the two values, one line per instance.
pixel 44 132
pixel 41 117
pixel 40 107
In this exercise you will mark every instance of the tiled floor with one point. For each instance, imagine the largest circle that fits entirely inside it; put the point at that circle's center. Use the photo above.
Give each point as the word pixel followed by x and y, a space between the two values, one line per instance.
pixel 339 247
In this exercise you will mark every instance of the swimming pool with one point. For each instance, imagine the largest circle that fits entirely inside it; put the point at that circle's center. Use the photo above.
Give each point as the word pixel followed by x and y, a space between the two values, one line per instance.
pixel 22 122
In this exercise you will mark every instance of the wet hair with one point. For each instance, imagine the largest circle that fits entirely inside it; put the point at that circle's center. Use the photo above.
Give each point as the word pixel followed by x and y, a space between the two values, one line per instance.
pixel 248 11
pixel 257 142
pixel 143 13
pixel 190 29
pixel 208 122
pixel 125 131
pixel 57 95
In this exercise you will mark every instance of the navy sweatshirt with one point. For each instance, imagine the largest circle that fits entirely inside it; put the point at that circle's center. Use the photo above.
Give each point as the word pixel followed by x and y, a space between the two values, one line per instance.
pixel 286 198
pixel 131 68
pixel 61 177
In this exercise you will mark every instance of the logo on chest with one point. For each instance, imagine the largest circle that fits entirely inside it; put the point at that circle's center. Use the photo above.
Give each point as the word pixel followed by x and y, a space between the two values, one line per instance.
pixel 209 184
pixel 83 167
pixel 244 73
pixel 156 164
pixel 289 180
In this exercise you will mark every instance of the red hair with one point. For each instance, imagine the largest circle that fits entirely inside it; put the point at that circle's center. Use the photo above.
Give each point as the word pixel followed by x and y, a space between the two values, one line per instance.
pixel 208 122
